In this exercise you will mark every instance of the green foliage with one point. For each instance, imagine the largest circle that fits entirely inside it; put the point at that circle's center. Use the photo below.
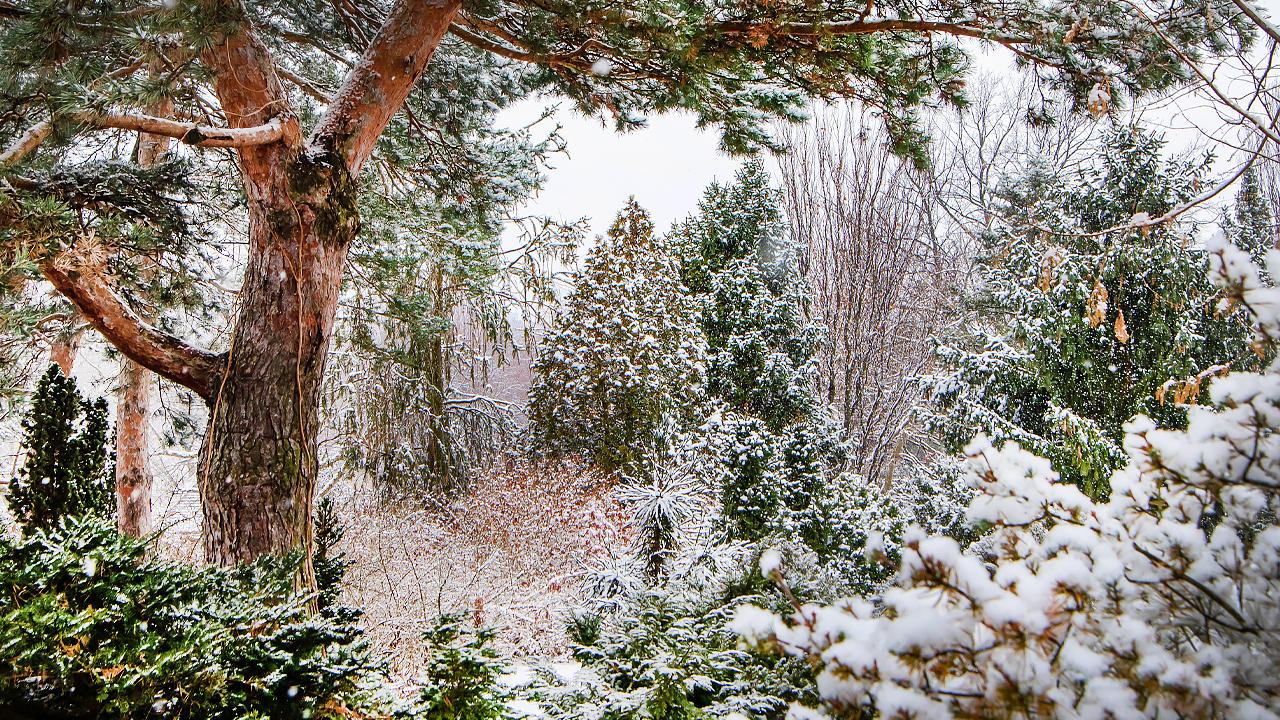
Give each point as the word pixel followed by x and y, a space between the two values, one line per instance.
pixel 1087 326
pixel 90 626
pixel 1250 226
pixel 461 674
pixel 669 655
pixel 66 472
pixel 330 564
pixel 625 359
pixel 772 433
pixel 736 259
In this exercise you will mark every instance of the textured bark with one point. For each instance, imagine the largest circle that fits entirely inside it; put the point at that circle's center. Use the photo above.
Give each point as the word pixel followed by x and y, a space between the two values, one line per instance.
pixel 133 477
pixel 374 93
pixel 133 400
pixel 63 349
pixel 258 466
pixel 84 282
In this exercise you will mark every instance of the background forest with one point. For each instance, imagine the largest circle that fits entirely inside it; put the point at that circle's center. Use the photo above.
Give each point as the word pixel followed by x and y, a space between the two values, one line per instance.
pixel 957 397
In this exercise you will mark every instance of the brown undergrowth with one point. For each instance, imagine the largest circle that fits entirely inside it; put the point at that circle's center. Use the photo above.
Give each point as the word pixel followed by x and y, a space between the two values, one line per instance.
pixel 509 553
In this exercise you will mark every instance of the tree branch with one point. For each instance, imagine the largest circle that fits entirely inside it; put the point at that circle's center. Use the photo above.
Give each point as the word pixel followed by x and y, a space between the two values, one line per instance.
pixel 189 133
pixel 869 27
pixel 9 11
pixel 378 86
pixel 88 289
pixel 24 145
pixel 250 94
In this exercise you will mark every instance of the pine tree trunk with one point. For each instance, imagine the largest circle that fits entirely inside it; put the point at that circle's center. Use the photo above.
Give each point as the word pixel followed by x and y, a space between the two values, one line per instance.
pixel 258 467
pixel 133 478
pixel 133 394
pixel 63 349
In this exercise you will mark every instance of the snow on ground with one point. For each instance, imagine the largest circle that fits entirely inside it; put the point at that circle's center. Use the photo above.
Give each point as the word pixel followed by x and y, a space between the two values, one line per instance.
pixel 509 553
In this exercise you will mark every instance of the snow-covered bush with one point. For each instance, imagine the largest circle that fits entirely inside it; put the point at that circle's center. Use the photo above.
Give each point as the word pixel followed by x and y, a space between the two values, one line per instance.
pixel 667 652
pixel 626 358
pixel 92 626
pixel 1161 601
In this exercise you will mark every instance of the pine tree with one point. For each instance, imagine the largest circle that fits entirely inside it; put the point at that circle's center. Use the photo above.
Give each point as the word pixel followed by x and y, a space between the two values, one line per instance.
pixel 779 442
pixel 307 99
pixel 1086 326
pixel 626 358
pixel 66 472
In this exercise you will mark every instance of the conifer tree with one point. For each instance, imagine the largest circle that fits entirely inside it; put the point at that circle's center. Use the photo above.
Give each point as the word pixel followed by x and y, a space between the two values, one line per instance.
pixel 1087 325
pixel 331 564
pixel 1250 225
pixel 626 358
pixel 297 103
pixel 66 471
pixel 737 261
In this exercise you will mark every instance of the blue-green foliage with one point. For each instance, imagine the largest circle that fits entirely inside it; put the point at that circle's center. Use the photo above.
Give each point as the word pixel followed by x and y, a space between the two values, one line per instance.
pixel 625 360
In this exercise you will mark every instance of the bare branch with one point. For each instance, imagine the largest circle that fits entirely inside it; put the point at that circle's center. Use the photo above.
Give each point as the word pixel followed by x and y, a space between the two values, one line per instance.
pixel 189 133
pixel 87 287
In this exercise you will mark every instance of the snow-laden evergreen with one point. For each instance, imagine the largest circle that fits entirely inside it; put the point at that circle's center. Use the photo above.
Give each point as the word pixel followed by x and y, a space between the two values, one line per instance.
pixel 775 438
pixel 625 359
pixel 1161 601
pixel 1084 320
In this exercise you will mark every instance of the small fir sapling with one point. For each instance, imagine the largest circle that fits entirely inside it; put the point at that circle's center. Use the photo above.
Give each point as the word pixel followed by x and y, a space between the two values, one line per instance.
pixel 330 564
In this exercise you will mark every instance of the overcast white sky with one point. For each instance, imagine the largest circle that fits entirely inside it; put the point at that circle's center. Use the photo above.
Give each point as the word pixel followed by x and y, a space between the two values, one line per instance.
pixel 665 165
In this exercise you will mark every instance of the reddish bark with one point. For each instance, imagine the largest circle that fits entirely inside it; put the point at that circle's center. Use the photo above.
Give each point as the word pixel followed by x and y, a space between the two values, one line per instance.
pixel 83 281
pixel 133 400
pixel 258 466
pixel 63 349
pixel 133 477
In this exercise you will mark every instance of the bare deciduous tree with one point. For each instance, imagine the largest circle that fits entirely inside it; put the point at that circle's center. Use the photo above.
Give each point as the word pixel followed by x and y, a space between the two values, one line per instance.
pixel 880 275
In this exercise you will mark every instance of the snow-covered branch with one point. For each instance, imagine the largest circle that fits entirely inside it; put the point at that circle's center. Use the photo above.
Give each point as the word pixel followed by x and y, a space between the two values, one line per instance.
pixel 185 132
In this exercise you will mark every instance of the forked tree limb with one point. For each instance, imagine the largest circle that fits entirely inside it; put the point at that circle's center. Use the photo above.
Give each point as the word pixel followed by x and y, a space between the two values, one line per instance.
pixel 166 355
pixel 377 87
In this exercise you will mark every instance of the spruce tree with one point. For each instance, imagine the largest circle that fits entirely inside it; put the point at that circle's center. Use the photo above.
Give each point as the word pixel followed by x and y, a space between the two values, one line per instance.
pixel 1249 225
pixel 66 472
pixel 1084 325
pixel 330 563
pixel 626 358
pixel 781 444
